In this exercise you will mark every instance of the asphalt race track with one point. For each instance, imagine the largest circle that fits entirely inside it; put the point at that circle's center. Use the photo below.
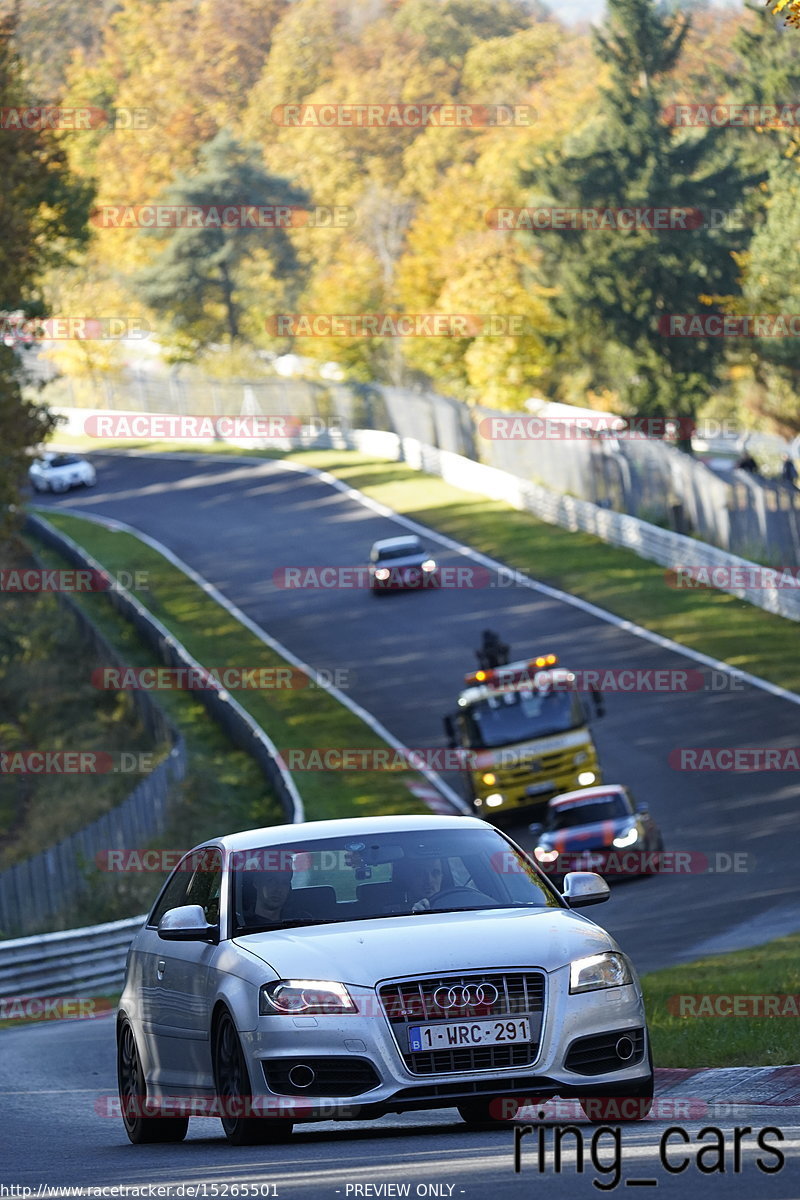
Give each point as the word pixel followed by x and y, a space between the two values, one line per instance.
pixel 406 655
pixel 57 1083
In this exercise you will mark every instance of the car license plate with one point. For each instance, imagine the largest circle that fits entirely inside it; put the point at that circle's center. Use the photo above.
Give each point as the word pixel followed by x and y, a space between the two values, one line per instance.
pixel 536 788
pixel 469 1033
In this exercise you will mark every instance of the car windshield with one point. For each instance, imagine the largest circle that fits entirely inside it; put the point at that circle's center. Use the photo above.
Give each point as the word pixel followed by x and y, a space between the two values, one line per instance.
pixel 64 460
pixel 381 875
pixel 404 551
pixel 508 717
pixel 568 816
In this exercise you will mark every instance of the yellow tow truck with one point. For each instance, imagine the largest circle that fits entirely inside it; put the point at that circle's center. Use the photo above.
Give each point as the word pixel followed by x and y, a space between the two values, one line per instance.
pixel 523 735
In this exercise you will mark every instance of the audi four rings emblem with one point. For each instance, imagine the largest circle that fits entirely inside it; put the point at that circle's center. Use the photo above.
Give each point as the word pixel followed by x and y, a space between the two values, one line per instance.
pixel 461 995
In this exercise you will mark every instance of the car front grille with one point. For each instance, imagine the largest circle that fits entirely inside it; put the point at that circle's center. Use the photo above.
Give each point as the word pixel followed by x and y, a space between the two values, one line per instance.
pixel 598 1054
pixel 506 994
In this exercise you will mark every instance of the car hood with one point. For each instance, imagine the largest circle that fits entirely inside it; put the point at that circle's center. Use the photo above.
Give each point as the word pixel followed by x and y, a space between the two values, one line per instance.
pixel 366 952
pixel 585 837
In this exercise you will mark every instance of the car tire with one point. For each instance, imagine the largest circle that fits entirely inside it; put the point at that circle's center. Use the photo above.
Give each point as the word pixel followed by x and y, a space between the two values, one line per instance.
pixel 58 486
pixel 141 1129
pixel 635 1105
pixel 232 1085
pixel 494 1113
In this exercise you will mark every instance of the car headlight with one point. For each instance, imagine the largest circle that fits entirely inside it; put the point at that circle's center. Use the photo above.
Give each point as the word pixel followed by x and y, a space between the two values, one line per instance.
pixel 429 565
pixel 598 971
pixel 292 996
pixel 382 573
pixel 580 757
pixel 542 854
pixel 628 837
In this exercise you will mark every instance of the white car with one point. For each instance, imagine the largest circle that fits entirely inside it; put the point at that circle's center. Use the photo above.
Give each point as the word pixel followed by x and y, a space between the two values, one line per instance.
pixel 59 472
pixel 351 968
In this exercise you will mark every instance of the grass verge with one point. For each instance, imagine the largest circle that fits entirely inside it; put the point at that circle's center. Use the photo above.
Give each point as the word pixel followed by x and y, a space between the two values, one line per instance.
pixel 223 791
pixel 768 975
pixel 295 717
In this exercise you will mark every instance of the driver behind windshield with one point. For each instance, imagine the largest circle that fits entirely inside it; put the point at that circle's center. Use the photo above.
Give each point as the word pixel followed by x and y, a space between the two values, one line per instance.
pixel 421 878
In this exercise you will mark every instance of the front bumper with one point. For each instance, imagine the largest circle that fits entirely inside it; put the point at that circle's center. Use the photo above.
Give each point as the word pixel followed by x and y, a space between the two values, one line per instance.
pixel 365 1050
pixel 516 797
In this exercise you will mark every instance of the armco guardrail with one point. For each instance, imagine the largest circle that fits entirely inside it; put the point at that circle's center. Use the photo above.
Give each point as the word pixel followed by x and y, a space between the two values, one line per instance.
pixel 670 549
pixel 85 962
pixel 644 477
pixel 243 731
pixel 649 541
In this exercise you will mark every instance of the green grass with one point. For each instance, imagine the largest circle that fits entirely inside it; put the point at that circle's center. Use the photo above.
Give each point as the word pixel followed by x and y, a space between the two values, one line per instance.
pixel 726 1041
pixel 294 717
pixel 712 622
pixel 47 704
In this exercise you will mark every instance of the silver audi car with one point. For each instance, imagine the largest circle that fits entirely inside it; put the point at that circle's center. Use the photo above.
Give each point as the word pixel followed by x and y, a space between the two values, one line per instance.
pixel 347 969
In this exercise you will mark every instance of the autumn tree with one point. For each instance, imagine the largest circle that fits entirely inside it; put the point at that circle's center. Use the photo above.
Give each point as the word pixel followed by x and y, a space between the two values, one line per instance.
pixel 207 281
pixel 615 285
pixel 43 214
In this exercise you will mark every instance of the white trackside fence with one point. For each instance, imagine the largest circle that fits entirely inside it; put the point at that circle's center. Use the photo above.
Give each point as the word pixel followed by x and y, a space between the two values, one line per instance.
pixel 639 476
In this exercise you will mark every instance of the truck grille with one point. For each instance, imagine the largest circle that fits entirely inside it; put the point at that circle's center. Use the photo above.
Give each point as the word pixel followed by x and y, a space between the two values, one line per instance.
pixel 556 763
pixel 505 994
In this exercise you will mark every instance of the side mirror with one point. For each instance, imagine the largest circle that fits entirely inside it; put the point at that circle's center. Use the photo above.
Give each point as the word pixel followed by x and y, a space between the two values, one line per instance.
pixel 582 888
pixel 536 830
pixel 450 731
pixel 644 809
pixel 186 924
pixel 599 703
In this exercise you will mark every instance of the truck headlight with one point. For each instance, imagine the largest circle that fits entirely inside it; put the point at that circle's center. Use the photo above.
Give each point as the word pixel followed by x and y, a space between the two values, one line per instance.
pixel 579 758
pixel 586 778
pixel 598 971
pixel 494 801
pixel 293 996
pixel 489 778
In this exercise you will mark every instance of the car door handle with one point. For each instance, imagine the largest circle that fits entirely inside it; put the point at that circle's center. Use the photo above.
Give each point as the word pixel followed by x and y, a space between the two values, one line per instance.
pixel 161 967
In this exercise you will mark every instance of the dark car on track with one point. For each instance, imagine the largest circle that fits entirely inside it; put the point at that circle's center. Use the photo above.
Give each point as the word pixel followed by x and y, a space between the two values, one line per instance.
pixel 401 564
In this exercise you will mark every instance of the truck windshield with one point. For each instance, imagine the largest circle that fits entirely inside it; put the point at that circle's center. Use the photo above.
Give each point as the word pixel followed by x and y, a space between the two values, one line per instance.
pixel 509 717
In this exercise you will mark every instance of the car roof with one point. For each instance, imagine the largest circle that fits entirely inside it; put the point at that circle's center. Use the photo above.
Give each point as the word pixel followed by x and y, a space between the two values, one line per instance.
pixel 281 835
pixel 396 543
pixel 590 793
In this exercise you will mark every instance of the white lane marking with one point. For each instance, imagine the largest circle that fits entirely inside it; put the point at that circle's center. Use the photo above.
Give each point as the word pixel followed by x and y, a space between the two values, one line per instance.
pixel 372 722
pixel 523 580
